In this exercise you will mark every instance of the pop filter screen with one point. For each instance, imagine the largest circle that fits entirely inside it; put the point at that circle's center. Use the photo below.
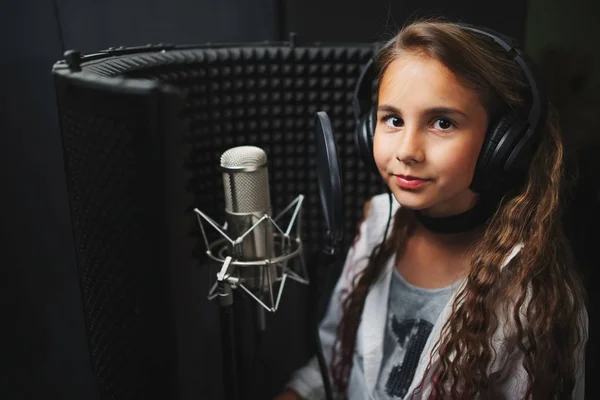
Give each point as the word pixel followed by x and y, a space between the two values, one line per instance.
pixel 330 179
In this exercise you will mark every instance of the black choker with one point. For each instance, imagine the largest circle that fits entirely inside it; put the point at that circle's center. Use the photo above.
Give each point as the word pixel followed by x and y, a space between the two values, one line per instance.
pixel 459 223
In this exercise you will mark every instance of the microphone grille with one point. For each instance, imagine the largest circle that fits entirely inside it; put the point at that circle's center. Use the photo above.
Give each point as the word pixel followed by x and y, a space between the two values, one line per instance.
pixel 243 156
pixel 246 191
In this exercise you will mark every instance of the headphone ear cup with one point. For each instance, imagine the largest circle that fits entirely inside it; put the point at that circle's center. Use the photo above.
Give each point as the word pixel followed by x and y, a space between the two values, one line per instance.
pixel 488 157
pixel 520 149
pixel 365 130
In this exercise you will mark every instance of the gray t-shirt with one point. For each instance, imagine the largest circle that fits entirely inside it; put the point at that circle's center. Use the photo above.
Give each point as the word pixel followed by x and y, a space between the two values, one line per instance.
pixel 412 312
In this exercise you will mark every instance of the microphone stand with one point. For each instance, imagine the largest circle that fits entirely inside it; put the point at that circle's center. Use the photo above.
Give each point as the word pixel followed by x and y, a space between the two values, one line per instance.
pixel 226 314
pixel 228 279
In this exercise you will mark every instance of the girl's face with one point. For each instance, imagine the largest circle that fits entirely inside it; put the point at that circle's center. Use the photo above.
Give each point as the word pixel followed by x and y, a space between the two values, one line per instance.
pixel 430 127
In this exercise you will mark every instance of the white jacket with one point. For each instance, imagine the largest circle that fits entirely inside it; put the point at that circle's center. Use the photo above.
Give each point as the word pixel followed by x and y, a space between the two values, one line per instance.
pixel 508 377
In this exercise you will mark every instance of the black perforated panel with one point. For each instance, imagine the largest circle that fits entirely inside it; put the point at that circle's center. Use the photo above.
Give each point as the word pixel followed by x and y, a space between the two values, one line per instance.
pixel 112 161
pixel 126 204
pixel 268 97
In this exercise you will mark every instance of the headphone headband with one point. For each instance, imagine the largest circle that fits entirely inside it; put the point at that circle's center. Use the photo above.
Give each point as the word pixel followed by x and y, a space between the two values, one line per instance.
pixel 362 92
pixel 539 106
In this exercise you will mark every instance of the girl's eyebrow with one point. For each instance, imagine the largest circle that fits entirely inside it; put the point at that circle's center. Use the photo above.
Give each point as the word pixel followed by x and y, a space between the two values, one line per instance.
pixel 429 111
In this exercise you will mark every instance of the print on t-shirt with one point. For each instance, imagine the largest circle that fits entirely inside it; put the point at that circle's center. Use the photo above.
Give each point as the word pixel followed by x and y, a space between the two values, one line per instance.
pixel 411 315
pixel 410 336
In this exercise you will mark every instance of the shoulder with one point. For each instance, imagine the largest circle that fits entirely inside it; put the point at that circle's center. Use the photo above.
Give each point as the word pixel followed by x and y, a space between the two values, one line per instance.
pixel 370 233
pixel 377 209
pixel 375 218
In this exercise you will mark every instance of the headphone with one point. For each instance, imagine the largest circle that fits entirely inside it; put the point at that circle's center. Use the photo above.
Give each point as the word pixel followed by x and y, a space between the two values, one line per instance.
pixel 509 143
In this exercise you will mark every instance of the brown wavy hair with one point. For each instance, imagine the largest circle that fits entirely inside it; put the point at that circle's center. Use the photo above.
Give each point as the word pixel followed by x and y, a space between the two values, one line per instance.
pixel 539 292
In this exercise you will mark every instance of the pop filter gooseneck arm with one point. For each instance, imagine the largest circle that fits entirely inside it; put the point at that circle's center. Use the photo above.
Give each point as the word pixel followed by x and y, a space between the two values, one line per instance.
pixel 330 191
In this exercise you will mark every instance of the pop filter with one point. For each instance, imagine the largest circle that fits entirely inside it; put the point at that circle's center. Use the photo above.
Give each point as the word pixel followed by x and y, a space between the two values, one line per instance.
pixel 330 192
pixel 330 180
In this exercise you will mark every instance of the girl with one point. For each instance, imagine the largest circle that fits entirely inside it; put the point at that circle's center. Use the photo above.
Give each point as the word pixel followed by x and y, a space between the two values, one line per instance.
pixel 473 294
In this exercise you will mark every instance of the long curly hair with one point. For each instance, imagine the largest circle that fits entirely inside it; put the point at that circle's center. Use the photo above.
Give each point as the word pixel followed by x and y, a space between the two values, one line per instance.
pixel 539 292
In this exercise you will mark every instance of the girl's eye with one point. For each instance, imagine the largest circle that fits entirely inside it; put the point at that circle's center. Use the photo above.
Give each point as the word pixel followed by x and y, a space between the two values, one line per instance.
pixel 392 121
pixel 443 124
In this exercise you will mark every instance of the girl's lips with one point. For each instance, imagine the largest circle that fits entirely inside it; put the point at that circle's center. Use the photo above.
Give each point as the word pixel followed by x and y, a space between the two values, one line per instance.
pixel 410 177
pixel 410 182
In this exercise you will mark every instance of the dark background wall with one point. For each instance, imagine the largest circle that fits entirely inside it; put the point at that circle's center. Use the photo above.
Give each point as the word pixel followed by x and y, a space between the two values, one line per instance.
pixel 45 352
pixel 359 20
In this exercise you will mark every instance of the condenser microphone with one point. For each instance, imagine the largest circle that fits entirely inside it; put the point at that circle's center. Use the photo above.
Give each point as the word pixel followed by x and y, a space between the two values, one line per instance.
pixel 255 250
pixel 247 201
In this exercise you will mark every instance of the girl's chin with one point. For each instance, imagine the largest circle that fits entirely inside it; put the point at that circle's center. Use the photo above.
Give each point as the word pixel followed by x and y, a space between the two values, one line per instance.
pixel 412 202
